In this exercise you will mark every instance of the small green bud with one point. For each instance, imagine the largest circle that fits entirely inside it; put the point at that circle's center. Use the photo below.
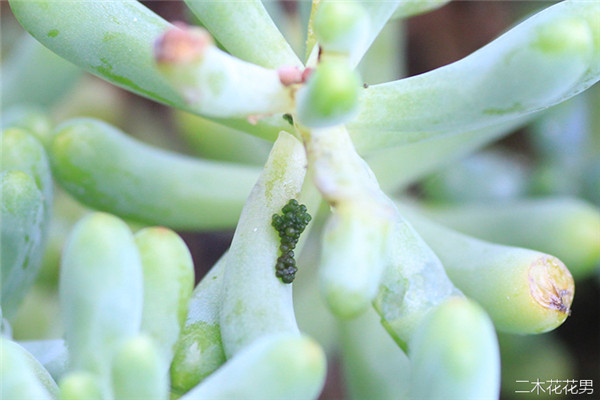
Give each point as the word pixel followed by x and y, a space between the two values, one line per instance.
pixel 80 385
pixel 168 273
pixel 138 372
pixel 456 347
pixel 339 26
pixel 330 97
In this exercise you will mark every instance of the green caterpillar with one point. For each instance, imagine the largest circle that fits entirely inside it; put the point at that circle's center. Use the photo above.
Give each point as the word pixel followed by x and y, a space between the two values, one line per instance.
pixel 290 226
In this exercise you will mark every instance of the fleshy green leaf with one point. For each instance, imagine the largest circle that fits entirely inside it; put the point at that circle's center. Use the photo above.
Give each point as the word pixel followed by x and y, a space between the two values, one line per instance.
pixel 374 366
pixel 255 302
pixel 455 347
pixel 215 84
pixel 22 376
pixel 565 227
pixel 52 354
pixel 524 291
pixel 168 282
pixel 246 31
pixel 277 366
pixel 199 349
pixel 114 40
pixel 34 75
pixel 101 291
pixel 545 60
pixel 80 385
pixel 138 371
pixel 407 8
pixel 22 228
pixel 396 167
pixel 22 151
pixel 155 186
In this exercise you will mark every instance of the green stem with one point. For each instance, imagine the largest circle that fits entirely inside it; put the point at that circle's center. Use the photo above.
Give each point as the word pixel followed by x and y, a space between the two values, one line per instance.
pixel 355 236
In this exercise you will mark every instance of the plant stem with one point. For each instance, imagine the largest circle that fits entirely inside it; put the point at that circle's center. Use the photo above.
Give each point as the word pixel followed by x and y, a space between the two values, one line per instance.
pixel 354 238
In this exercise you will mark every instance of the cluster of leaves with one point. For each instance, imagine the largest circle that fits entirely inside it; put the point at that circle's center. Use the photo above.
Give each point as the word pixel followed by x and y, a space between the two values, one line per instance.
pixel 387 271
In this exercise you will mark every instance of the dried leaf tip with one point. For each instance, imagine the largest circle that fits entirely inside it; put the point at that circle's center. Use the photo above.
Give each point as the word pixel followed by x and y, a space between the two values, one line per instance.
pixel 181 44
pixel 551 284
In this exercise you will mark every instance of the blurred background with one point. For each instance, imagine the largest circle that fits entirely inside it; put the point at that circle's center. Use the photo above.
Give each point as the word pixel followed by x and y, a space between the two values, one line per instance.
pixel 556 155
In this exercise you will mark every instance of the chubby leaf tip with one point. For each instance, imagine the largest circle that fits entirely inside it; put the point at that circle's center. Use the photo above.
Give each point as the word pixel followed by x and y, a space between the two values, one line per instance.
pixel 181 44
pixel 551 284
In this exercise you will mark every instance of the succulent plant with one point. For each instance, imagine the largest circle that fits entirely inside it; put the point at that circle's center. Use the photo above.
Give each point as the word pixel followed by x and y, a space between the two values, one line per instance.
pixel 406 291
